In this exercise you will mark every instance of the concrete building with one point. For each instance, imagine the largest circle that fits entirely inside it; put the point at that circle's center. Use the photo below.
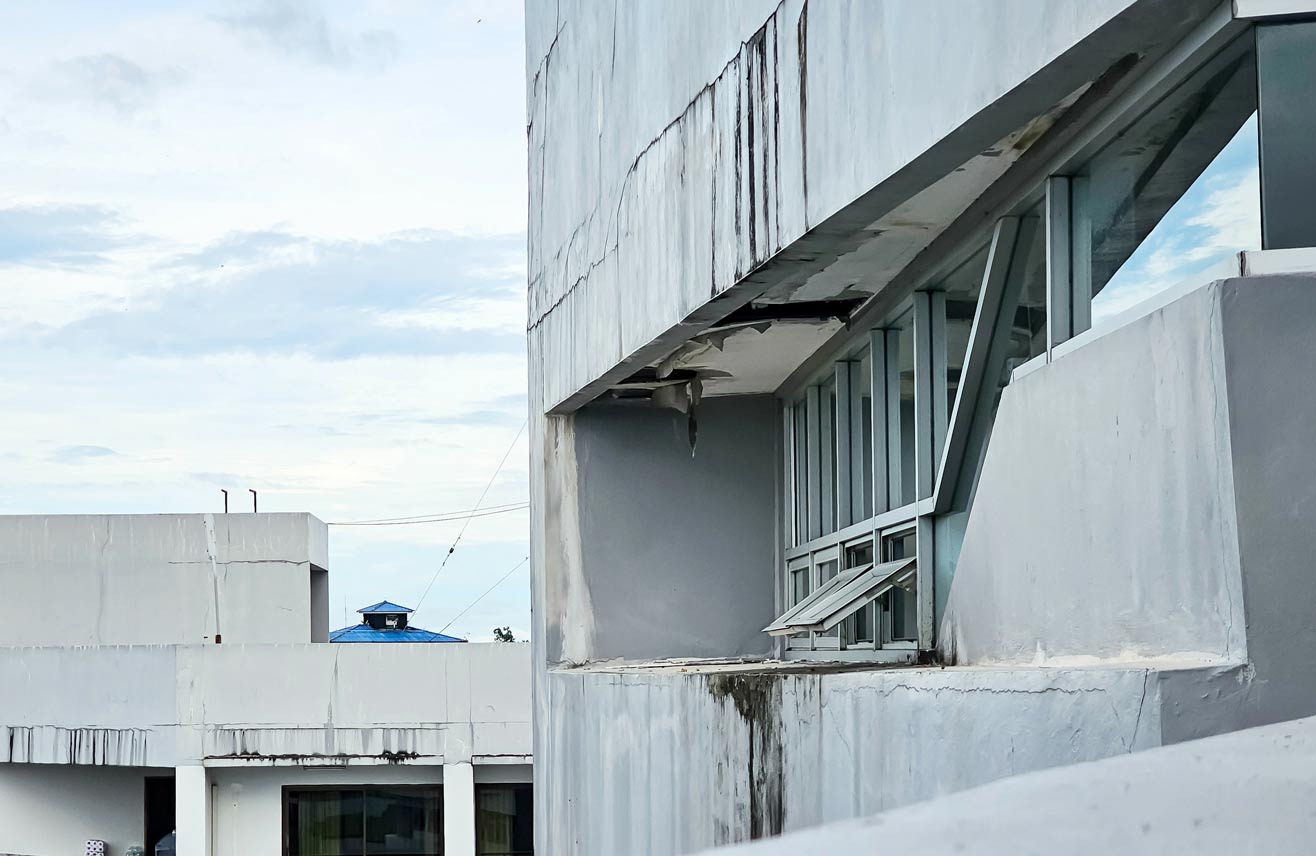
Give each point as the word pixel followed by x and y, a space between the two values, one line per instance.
pixel 851 485
pixel 166 672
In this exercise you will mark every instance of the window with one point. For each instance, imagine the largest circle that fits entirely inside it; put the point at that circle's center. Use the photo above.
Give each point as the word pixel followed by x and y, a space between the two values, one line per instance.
pixel 504 820
pixel 1127 189
pixel 886 442
pixel 374 821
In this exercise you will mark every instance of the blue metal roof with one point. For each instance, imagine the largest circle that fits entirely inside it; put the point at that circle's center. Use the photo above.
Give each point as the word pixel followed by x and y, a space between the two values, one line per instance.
pixel 383 607
pixel 366 633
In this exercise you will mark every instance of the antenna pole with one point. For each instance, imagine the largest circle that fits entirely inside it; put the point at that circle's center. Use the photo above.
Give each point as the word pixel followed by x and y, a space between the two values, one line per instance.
pixel 253 500
pixel 221 490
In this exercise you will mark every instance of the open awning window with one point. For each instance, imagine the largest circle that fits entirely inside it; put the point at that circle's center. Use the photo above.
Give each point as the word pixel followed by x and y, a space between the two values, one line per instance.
pixel 841 596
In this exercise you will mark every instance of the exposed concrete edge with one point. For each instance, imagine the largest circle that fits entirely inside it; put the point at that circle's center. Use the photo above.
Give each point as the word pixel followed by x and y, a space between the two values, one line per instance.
pixel 839 233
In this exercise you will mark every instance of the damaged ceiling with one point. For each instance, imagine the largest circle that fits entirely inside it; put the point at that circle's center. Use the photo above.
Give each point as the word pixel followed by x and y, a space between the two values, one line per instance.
pixel 756 348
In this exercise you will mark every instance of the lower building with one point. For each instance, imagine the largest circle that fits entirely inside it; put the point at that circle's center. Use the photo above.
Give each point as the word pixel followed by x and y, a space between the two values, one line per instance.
pixel 163 676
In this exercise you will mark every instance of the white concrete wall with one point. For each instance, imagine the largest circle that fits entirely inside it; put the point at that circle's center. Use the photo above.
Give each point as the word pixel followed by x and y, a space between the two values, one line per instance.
pixel 668 761
pixel 53 810
pixel 675 147
pixel 158 578
pixel 168 705
pixel 1249 792
pixel 1104 523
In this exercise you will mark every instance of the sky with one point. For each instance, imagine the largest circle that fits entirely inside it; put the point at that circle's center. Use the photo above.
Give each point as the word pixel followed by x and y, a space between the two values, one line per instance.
pixel 273 245
pixel 1220 214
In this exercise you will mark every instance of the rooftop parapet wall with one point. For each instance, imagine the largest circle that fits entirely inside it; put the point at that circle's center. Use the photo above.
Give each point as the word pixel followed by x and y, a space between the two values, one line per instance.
pixel 167 705
pixel 668 760
pixel 139 579
pixel 1104 523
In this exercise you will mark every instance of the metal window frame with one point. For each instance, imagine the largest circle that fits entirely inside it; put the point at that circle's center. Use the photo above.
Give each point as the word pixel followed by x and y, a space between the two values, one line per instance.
pixel 944 434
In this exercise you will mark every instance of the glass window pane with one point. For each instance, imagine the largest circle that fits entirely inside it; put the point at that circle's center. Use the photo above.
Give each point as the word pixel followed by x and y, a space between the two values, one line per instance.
pixel 858 628
pixel 827 454
pixel 899 608
pixel 900 410
pixel 799 585
pixel 324 823
pixel 1028 315
pixel 402 822
pixel 504 818
pixel 1123 193
pixel 826 571
pixel 962 289
pixel 861 435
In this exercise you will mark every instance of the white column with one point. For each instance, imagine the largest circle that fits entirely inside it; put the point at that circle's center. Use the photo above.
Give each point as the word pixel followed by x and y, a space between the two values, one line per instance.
pixel 192 810
pixel 458 810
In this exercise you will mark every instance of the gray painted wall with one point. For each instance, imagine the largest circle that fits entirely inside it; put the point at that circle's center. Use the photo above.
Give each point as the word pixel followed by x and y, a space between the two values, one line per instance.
pixel 136 579
pixel 1104 519
pixel 1269 354
pixel 677 548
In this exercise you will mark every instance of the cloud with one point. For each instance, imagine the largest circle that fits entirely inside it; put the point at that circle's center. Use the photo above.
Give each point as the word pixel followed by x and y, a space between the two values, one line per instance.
pixel 78 454
pixel 300 28
pixel 106 79
pixel 57 234
pixel 270 292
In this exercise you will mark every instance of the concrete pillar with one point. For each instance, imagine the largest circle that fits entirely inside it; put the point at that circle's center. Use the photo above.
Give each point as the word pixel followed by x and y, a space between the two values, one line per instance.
pixel 458 809
pixel 192 810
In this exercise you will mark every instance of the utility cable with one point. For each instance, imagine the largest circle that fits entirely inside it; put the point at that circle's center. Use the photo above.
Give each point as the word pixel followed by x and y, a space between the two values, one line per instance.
pixel 439 518
pixel 478 503
pixel 472 604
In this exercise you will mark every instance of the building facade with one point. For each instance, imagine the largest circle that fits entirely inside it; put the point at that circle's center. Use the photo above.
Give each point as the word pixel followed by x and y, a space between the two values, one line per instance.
pixel 866 467
pixel 172 674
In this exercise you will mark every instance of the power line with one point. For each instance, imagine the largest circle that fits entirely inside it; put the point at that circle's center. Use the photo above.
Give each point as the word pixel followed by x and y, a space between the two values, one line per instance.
pixel 472 604
pixel 478 503
pixel 438 518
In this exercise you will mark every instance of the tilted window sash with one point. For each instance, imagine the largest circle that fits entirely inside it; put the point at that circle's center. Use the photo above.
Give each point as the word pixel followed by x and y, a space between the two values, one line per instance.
pixel 843 595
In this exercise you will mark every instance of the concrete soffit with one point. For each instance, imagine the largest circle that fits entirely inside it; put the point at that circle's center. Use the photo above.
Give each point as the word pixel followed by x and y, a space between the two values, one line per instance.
pixel 758 335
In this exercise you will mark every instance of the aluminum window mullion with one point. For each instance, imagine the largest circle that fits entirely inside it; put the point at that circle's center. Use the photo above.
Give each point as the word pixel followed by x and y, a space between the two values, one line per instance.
pixel 940 385
pixel 923 394
pixel 925 593
pixel 857 440
pixel 877 416
pixel 1059 292
pixel 974 374
pixel 813 482
pixel 827 459
pixel 844 512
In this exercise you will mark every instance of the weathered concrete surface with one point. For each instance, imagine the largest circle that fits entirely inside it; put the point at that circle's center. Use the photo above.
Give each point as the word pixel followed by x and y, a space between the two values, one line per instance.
pixel 140 579
pixel 676 546
pixel 1247 792
pixel 663 761
pixel 1104 524
pixel 170 705
pixel 750 132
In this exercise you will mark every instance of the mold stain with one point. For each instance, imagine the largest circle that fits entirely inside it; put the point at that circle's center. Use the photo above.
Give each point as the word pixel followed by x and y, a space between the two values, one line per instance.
pixel 757 700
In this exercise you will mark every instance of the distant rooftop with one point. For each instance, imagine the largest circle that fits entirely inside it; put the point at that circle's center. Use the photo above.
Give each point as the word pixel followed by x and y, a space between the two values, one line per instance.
pixel 387 622
pixel 384 607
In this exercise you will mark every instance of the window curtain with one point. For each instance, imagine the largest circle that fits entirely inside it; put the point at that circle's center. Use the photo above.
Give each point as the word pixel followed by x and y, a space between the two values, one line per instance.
pixel 495 819
pixel 320 823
